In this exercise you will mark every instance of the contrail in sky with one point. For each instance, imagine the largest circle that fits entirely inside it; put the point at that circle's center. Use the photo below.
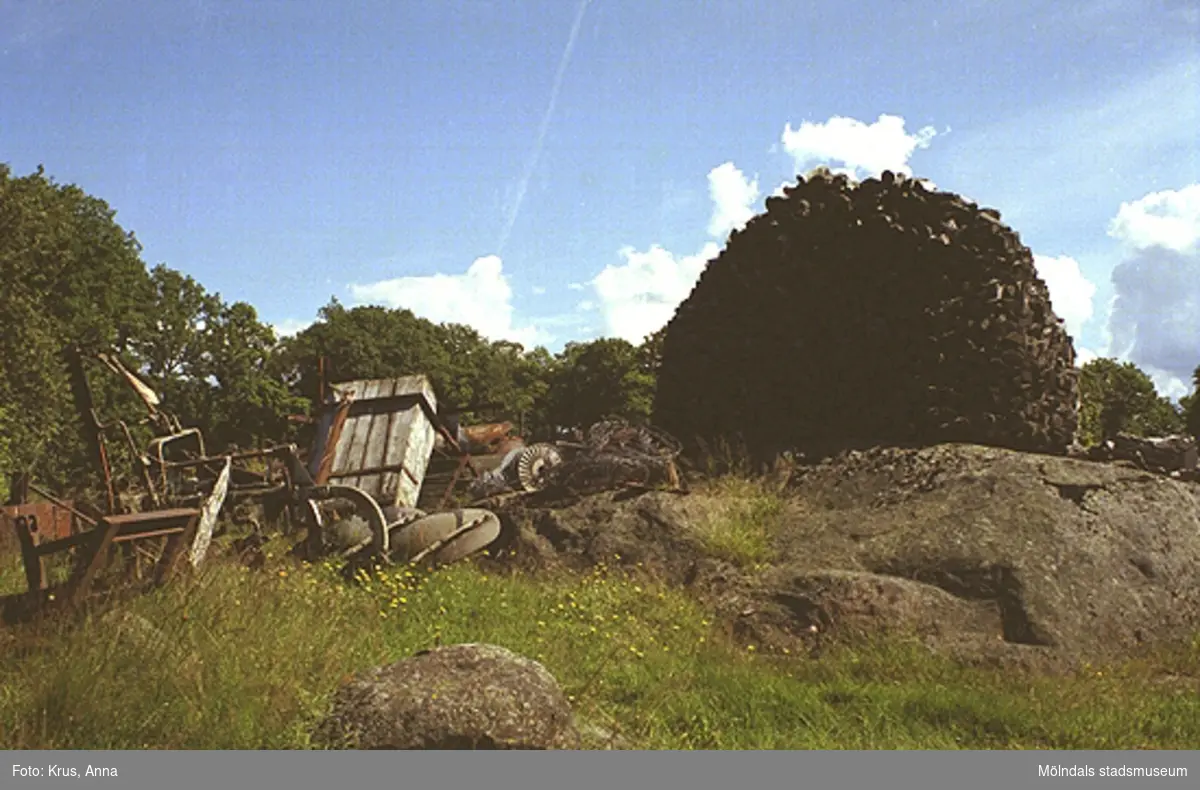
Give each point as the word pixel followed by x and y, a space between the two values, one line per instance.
pixel 523 185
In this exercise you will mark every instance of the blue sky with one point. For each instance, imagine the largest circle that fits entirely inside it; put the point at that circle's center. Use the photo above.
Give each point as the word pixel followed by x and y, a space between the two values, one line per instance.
pixel 555 171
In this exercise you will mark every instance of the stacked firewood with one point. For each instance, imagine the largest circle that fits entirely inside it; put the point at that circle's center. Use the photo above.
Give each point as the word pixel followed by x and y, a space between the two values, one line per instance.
pixel 882 309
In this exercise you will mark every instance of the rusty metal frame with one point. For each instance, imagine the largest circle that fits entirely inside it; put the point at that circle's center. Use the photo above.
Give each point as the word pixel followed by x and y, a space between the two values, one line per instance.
pixel 177 525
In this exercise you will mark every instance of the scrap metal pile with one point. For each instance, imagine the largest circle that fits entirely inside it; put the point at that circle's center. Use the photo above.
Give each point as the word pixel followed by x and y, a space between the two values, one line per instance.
pixel 613 454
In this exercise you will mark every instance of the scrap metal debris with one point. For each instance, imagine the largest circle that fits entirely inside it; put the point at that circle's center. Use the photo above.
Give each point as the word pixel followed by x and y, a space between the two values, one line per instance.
pixel 614 454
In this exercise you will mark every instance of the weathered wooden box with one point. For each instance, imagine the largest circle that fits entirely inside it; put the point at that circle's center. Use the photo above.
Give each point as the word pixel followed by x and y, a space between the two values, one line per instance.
pixel 377 435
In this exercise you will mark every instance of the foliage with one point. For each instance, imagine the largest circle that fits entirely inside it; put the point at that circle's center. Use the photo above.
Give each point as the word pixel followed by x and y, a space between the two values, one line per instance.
pixel 73 275
pixel 595 380
pixel 364 342
pixel 1120 397
pixel 650 351
pixel 579 386
pixel 1191 406
pixel 69 272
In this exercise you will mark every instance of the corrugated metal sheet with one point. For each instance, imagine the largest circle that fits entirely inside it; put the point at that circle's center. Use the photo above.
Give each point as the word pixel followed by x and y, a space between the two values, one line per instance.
pixel 386 441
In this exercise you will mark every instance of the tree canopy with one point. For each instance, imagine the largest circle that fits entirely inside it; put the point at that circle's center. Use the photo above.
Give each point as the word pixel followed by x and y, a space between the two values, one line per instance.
pixel 1119 397
pixel 70 274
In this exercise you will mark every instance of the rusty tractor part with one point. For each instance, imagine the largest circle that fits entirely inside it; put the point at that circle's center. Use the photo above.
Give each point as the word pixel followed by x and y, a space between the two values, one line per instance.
pixel 445 538
pixel 92 550
pixel 362 502
pixel 42 521
pixel 617 454
pixel 612 454
pixel 533 463
pixel 486 437
pixel 397 517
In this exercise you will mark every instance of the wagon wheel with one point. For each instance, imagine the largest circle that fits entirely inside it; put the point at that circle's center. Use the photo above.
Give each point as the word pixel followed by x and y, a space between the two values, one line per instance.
pixel 461 532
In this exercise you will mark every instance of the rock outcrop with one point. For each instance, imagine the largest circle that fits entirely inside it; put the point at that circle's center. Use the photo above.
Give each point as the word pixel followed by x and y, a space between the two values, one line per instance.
pixel 983 551
pixel 469 696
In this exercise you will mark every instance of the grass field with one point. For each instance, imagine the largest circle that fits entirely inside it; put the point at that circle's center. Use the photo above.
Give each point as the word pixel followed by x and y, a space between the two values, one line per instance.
pixel 240 659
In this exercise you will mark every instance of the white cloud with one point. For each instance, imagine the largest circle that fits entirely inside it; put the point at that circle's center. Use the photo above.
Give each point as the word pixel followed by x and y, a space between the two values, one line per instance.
pixel 576 286
pixel 1168 384
pixel 1168 219
pixel 733 197
pixel 639 296
pixel 1084 356
pixel 538 290
pixel 290 326
pixel 1070 292
pixel 1155 319
pixel 480 298
pixel 856 148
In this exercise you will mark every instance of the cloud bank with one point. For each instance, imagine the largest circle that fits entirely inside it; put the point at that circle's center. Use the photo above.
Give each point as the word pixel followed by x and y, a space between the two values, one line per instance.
pixel 639 295
pixel 858 149
pixel 480 298
pixel 1155 319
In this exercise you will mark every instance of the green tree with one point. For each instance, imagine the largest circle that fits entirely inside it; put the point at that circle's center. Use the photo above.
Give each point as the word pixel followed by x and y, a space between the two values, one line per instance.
pixel 650 351
pixel 171 354
pixel 70 274
pixel 604 377
pixel 1118 397
pixel 367 343
pixel 1191 409
pixel 248 403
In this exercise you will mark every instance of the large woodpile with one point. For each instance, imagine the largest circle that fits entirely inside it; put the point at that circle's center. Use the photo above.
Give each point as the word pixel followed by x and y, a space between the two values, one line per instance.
pixel 881 310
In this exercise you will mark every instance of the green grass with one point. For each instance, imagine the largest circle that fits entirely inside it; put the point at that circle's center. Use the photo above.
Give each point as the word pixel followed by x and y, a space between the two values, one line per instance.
pixel 12 573
pixel 248 660
pixel 741 520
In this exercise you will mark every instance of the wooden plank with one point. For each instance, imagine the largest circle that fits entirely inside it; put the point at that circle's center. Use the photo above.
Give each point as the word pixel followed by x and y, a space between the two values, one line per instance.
pixel 365 427
pixel 377 443
pixel 377 439
pixel 418 450
pixel 349 446
pixel 398 433
pixel 154 533
pixel 342 463
pixel 338 393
